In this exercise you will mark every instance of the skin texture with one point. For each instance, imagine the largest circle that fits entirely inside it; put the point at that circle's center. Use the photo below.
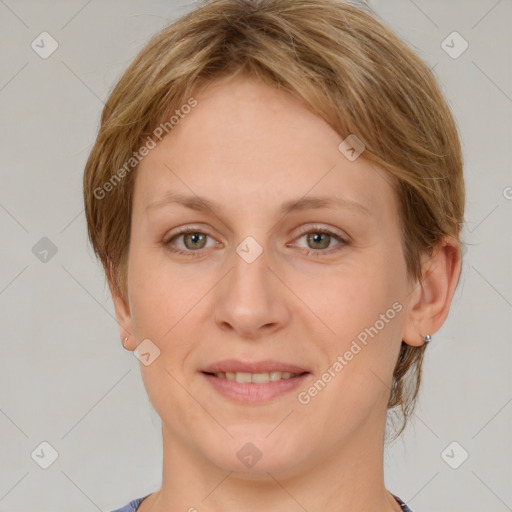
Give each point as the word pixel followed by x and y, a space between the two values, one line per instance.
pixel 250 148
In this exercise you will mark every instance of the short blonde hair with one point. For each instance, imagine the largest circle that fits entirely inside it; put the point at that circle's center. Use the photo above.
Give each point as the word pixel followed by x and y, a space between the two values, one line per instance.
pixel 341 61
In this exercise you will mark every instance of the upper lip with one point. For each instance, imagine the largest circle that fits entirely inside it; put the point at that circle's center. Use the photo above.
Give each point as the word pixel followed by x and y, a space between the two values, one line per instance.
pixel 235 366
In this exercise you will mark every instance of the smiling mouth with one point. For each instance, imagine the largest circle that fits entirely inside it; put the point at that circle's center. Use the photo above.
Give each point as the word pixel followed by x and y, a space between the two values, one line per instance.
pixel 255 378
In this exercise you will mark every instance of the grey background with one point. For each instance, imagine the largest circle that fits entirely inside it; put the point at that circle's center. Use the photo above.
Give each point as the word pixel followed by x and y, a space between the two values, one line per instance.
pixel 64 377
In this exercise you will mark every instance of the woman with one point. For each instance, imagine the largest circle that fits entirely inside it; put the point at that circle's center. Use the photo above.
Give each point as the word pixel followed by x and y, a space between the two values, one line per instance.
pixel 276 196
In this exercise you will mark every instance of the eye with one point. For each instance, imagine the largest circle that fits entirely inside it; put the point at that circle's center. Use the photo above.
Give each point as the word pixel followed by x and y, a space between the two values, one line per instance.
pixel 319 241
pixel 192 241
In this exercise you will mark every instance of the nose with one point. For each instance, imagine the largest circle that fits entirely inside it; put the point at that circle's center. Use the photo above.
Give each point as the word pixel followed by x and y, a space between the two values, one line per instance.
pixel 251 301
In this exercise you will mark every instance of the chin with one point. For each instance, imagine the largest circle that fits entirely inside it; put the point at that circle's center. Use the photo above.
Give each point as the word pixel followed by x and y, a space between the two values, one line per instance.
pixel 255 451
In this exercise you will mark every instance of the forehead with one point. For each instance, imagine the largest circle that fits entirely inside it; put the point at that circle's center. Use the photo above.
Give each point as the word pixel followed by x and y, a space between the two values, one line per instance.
pixel 247 143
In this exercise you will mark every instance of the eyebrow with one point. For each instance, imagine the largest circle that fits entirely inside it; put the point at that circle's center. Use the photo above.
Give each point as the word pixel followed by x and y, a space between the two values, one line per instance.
pixel 202 204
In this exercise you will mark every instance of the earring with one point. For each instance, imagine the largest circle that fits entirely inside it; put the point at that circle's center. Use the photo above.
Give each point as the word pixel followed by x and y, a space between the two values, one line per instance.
pixel 124 341
pixel 427 339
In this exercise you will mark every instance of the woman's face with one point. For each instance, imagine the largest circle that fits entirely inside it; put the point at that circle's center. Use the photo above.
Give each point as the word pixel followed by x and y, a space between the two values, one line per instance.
pixel 296 265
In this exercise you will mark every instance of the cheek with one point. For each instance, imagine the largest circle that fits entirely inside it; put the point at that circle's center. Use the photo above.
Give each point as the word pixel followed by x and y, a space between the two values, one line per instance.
pixel 168 308
pixel 358 362
pixel 161 311
pixel 159 298
pixel 356 299
pixel 363 308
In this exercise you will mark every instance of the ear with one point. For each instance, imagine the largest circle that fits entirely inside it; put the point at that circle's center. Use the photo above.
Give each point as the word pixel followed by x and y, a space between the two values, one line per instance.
pixel 124 319
pixel 430 298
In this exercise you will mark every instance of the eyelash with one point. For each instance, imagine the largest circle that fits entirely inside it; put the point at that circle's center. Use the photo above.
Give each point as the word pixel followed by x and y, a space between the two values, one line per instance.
pixel 305 231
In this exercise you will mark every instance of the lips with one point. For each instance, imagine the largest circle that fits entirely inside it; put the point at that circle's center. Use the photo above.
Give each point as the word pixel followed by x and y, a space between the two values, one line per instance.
pixel 258 390
pixel 254 382
pixel 268 366
pixel 255 378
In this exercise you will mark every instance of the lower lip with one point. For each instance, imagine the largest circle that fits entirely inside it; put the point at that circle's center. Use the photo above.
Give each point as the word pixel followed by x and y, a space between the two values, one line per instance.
pixel 251 392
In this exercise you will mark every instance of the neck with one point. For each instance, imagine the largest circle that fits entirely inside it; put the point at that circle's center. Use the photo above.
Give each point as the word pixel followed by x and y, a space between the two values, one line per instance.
pixel 350 478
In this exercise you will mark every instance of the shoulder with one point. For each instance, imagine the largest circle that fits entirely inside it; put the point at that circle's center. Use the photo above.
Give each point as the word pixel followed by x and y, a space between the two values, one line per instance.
pixel 131 507
pixel 134 505
pixel 404 507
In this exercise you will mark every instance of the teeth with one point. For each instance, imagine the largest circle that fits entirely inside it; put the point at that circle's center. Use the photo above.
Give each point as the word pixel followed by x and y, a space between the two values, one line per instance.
pixel 255 378
pixel 243 377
